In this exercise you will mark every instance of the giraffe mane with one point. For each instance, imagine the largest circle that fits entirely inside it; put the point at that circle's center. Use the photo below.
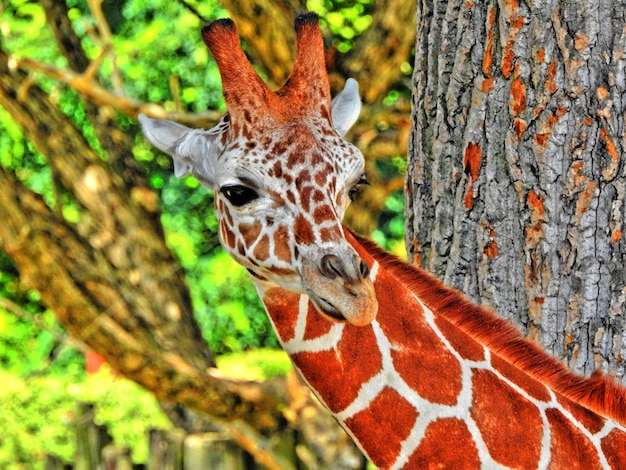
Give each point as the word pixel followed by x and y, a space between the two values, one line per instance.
pixel 599 393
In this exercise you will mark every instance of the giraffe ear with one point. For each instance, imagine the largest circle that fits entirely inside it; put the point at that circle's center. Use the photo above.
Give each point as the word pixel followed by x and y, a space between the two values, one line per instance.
pixel 346 106
pixel 194 151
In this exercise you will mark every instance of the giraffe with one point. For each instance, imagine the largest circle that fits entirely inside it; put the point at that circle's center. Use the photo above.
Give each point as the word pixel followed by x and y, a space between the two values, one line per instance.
pixel 416 374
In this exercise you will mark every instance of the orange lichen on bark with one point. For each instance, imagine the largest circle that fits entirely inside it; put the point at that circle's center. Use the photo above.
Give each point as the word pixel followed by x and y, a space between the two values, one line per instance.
pixel 468 200
pixel 515 25
pixel 471 163
pixel 489 48
pixel 471 160
pixel 487 85
pixel 507 59
pixel 610 145
pixel 584 199
pixel 491 249
pixel 540 56
pixel 550 85
pixel 602 93
pixel 535 202
pixel 616 235
pixel 518 97
pixel 547 125
pixel 519 126
pixel 491 23
pixel 581 41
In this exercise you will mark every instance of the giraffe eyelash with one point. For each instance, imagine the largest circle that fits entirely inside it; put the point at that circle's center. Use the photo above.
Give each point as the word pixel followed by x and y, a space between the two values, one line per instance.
pixel 355 189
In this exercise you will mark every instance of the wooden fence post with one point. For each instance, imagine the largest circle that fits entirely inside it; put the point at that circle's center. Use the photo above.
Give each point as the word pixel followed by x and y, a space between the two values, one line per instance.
pixel 166 449
pixel 213 450
pixel 90 438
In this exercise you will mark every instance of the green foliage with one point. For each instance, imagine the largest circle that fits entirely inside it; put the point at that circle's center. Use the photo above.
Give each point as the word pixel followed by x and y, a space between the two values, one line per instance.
pixel 390 231
pixel 346 19
pixel 258 364
pixel 37 413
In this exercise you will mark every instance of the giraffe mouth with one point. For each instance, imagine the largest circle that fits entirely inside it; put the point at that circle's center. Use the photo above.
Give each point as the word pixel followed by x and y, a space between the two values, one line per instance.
pixel 325 307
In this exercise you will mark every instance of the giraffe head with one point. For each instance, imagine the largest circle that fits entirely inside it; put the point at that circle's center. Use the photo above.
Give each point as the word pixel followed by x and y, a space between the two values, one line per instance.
pixel 282 173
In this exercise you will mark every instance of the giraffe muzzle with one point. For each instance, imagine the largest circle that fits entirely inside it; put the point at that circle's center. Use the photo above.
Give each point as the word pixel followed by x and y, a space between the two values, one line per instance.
pixel 341 289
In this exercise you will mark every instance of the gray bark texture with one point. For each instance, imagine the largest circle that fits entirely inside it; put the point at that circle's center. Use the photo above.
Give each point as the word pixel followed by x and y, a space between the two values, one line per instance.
pixel 517 178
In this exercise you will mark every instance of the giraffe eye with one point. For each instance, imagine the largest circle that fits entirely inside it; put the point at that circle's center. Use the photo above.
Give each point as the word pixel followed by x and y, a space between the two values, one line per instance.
pixel 239 195
pixel 355 189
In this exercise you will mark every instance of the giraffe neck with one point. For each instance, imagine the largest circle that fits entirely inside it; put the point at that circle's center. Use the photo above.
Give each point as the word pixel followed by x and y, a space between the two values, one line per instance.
pixel 436 379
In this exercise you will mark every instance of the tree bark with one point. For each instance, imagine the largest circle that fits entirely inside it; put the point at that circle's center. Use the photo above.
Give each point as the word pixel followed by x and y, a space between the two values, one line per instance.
pixel 516 182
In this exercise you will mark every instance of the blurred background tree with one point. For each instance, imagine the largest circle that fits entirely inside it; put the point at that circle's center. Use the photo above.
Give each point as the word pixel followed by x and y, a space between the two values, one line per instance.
pixel 99 240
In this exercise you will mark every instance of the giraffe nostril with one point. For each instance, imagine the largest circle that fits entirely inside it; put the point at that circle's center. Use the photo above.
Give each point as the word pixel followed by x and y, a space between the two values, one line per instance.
pixel 331 266
pixel 364 269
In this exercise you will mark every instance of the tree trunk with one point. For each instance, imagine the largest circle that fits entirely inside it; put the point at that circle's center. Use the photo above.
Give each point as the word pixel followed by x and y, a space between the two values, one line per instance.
pixel 516 182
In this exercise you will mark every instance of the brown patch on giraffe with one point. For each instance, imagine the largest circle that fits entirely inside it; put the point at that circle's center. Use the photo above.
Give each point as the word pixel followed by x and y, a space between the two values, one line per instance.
pixel 291 197
pixel 279 148
pixel 460 341
pixel 532 386
pixel 305 197
pixel 509 424
pixel 277 170
pixel 566 442
pixel 414 344
pixel 330 234
pixel 227 235
pixel 262 249
pixel 447 443
pixel 303 231
pixel 250 232
pixel 354 361
pixel 281 244
pixel 318 196
pixel 303 177
pixel 282 307
pixel 282 249
pixel 219 205
pixel 614 450
pixel 296 157
pixel 323 214
pixel 321 177
pixel 316 325
pixel 591 421
pixel 241 249
pixel 383 426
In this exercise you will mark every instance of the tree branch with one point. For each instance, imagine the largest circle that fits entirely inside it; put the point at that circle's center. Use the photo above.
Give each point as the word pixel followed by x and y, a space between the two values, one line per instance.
pixel 18 311
pixel 91 90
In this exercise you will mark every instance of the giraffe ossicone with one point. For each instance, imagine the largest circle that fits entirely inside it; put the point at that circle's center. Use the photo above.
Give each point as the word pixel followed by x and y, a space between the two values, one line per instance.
pixel 282 173
pixel 416 374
